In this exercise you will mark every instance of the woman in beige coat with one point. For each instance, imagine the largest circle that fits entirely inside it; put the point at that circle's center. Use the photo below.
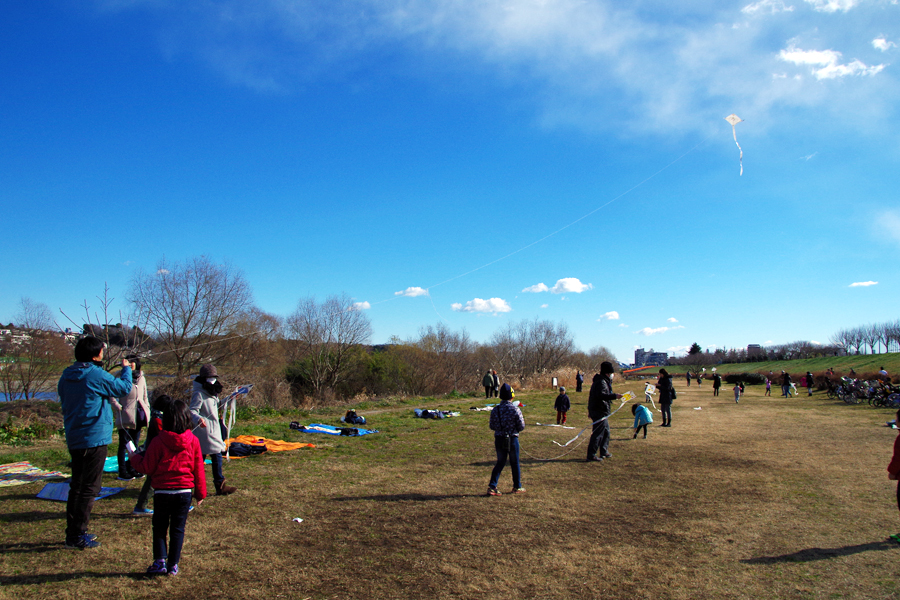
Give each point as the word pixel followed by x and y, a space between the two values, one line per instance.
pixel 134 409
pixel 205 405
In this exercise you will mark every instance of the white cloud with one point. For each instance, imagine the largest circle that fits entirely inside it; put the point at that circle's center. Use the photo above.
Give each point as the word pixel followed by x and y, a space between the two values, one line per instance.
pixel 412 292
pixel 609 316
pixel 766 6
pixel 652 331
pixel 831 6
pixel 622 325
pixel 863 283
pixel 362 305
pixel 809 156
pixel 544 305
pixel 162 272
pixel 676 350
pixel 537 288
pixel 570 284
pixel 672 320
pixel 493 305
pixel 882 44
pixel 825 63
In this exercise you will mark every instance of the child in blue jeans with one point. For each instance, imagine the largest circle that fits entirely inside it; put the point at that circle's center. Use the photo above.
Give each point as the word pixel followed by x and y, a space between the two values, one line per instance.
pixel 174 463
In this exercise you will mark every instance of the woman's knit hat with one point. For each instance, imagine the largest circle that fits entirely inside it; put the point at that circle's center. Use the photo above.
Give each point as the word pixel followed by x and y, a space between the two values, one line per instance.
pixel 207 371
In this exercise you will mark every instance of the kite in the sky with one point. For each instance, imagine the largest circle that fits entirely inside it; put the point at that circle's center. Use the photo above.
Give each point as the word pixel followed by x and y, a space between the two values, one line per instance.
pixel 734 120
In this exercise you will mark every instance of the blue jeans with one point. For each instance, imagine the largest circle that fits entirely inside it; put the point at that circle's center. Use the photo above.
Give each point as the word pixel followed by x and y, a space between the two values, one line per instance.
pixel 170 512
pixel 218 476
pixel 507 447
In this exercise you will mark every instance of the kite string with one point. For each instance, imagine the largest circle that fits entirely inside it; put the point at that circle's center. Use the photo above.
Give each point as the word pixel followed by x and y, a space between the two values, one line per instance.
pixel 600 420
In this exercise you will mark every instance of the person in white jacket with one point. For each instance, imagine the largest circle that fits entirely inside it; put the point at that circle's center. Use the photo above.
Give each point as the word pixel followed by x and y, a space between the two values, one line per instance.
pixel 205 405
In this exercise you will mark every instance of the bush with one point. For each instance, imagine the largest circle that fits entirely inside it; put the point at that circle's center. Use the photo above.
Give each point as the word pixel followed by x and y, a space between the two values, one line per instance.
pixel 747 378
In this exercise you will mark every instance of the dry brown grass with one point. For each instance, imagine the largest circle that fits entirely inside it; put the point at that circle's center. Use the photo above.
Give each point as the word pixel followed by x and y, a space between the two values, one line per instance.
pixel 770 498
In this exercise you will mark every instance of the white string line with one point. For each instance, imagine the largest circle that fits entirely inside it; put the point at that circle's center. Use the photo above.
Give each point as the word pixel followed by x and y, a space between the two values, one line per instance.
pixel 574 438
pixel 502 258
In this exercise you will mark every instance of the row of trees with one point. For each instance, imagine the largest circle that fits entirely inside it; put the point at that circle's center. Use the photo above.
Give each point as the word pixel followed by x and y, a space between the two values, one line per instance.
pixel 188 313
pixel 877 337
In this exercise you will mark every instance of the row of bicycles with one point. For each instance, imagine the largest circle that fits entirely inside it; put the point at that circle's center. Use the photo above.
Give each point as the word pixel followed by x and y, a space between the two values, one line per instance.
pixel 857 391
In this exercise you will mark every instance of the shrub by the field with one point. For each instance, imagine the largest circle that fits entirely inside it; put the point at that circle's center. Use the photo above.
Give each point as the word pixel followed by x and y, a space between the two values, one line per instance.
pixel 747 378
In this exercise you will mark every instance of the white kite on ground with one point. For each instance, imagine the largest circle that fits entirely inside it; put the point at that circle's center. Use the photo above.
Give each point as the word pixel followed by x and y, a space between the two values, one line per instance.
pixel 734 120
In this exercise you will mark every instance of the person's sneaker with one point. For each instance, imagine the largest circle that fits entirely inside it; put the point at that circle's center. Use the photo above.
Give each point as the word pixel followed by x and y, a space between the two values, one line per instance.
pixel 82 541
pixel 607 455
pixel 142 512
pixel 157 568
pixel 593 459
pixel 173 570
pixel 518 491
pixel 124 477
pixel 493 492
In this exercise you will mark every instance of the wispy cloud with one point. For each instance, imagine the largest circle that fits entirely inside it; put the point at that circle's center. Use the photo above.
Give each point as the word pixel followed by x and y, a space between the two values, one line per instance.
pixel 863 283
pixel 672 320
pixel 676 350
pixel 766 6
pixel 537 288
pixel 654 331
pixel 545 305
pixel 492 305
pixel 412 292
pixel 830 6
pixel 880 43
pixel 887 225
pixel 162 272
pixel 809 156
pixel 825 64
pixel 622 325
pixel 362 305
pixel 609 316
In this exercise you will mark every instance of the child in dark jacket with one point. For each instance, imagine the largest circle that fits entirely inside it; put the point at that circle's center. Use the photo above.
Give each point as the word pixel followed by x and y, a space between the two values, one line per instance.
pixel 174 463
pixel 562 406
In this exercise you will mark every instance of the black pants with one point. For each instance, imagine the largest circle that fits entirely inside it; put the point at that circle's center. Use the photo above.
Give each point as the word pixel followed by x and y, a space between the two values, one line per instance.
pixel 578 386
pixel 488 391
pixel 125 436
pixel 715 391
pixel 599 437
pixel 638 430
pixel 666 413
pixel 87 474
pixel 170 513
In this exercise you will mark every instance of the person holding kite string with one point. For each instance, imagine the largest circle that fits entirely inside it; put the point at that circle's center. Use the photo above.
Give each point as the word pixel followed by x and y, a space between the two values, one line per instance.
pixel 506 422
pixel 205 406
pixel 599 399
pixel 666 396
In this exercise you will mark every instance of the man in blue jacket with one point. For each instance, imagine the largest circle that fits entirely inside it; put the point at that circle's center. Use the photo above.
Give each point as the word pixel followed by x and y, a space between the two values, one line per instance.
pixel 84 391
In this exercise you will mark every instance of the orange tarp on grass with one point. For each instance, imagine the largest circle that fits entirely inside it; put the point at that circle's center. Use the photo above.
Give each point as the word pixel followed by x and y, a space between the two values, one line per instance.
pixel 271 445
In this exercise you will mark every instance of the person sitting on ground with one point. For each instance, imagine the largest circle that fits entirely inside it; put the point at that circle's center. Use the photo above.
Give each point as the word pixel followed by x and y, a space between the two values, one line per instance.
pixel 506 422
pixel 561 405
pixel 642 418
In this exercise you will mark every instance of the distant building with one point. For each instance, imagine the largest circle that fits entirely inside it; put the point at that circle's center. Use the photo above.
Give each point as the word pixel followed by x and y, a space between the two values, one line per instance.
pixel 754 350
pixel 651 358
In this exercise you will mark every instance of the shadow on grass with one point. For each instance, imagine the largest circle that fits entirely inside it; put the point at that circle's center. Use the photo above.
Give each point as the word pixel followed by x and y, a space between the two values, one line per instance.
pixel 811 554
pixel 406 497
pixel 32 516
pixel 59 577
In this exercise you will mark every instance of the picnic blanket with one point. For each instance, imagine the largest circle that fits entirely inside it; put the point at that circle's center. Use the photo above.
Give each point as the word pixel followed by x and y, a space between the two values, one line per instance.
pixel 21 473
pixel 59 491
pixel 269 445
pixel 434 414
pixel 112 464
pixel 330 429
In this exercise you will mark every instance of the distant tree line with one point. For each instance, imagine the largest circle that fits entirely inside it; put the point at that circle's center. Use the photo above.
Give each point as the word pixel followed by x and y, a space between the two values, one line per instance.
pixel 184 314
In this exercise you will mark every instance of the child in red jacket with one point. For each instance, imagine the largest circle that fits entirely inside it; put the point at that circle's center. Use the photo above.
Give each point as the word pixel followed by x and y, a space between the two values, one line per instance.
pixel 174 463
pixel 894 471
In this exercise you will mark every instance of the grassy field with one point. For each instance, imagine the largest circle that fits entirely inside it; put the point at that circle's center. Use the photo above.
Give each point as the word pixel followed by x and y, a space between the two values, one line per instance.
pixel 769 498
pixel 862 364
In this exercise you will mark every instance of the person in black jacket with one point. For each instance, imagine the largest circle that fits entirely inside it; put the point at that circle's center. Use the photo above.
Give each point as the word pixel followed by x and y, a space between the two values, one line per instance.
pixel 562 406
pixel 599 399
pixel 666 395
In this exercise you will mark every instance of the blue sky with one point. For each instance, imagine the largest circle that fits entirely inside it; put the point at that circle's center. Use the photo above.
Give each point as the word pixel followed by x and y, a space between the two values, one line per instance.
pixel 481 151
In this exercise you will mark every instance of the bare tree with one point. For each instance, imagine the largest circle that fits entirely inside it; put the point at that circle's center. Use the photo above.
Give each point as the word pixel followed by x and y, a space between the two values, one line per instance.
pixel 532 347
pixel 453 355
pixel 33 355
pixel 191 308
pixel 321 338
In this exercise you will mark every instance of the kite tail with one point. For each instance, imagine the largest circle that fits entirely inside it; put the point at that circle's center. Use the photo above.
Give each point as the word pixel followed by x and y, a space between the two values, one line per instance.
pixel 734 133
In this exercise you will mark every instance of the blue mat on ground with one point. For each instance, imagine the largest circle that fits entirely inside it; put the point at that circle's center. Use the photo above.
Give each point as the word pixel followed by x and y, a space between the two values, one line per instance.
pixel 112 464
pixel 331 430
pixel 59 491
